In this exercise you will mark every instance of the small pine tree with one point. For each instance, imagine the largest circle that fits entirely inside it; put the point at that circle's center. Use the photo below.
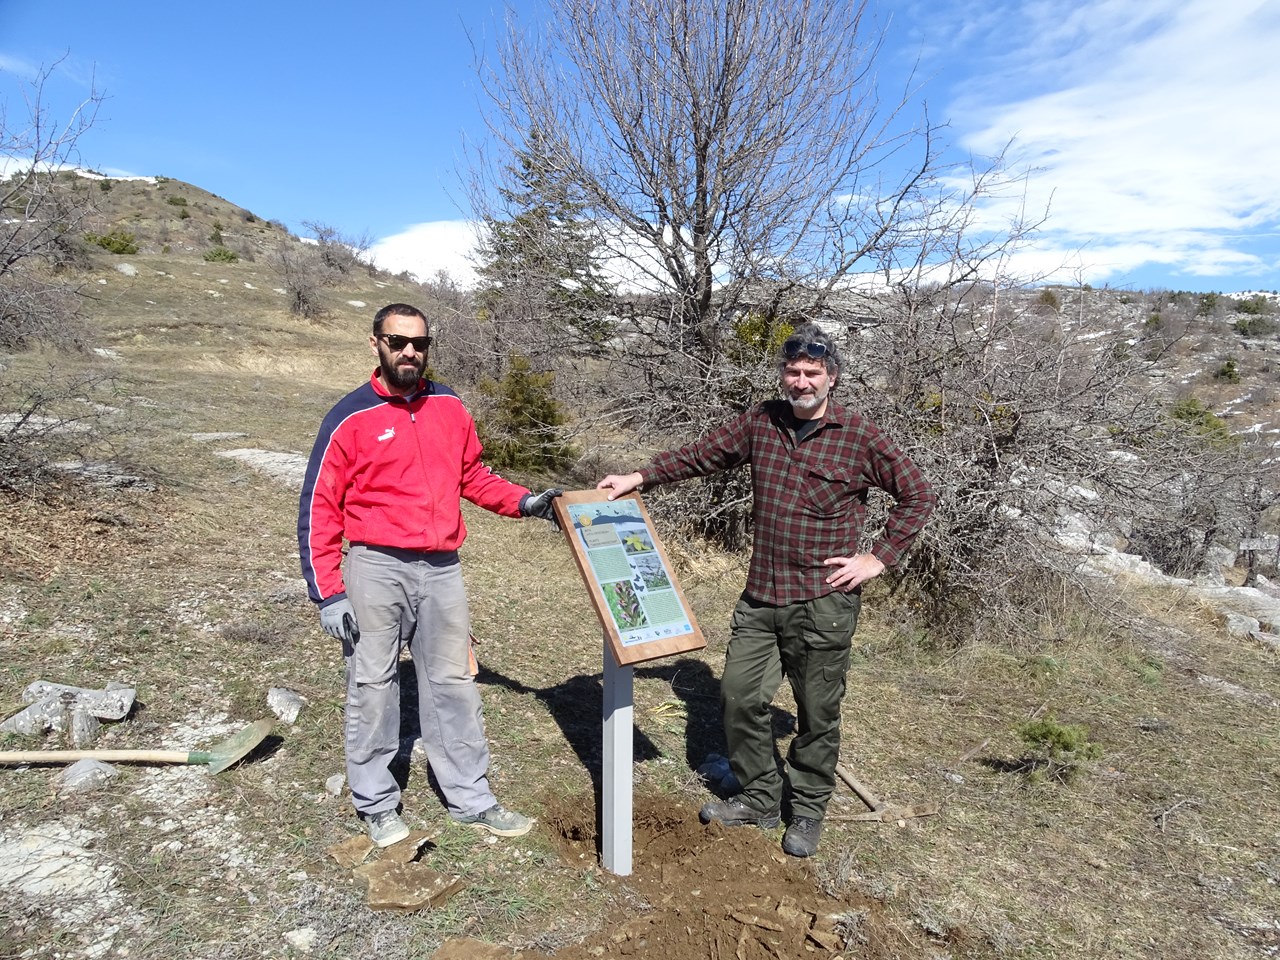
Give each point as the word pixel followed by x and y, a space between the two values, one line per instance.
pixel 523 432
pixel 117 241
pixel 1201 420
pixel 540 260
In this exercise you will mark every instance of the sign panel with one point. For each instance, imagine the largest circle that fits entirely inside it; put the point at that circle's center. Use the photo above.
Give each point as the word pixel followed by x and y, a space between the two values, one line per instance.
pixel 627 573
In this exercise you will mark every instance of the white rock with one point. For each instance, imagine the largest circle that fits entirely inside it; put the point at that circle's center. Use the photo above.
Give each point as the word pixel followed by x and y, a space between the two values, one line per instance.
pixel 333 786
pixel 128 269
pixel 85 775
pixel 303 939
pixel 288 468
pixel 285 703
pixel 112 702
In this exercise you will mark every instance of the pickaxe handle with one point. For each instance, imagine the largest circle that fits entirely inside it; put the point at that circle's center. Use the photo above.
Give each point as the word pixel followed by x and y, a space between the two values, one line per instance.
pixel 867 796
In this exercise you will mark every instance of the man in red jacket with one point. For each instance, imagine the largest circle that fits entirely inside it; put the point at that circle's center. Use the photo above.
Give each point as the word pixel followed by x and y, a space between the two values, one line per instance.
pixel 388 467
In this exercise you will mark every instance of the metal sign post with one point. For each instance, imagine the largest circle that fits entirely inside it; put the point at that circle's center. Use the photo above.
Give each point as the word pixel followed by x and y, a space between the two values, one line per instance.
pixel 615 800
pixel 645 616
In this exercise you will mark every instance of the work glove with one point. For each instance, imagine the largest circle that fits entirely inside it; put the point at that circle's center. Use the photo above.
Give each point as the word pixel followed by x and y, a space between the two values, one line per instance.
pixel 338 620
pixel 540 505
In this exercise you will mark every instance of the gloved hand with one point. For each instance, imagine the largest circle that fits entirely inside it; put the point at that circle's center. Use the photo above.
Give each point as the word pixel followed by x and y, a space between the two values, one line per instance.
pixel 540 505
pixel 338 620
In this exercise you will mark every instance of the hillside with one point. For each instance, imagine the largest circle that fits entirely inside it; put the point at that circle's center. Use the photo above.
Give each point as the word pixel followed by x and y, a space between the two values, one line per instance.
pixel 179 578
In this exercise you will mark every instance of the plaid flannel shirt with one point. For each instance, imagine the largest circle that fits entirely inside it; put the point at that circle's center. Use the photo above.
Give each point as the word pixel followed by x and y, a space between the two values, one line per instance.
pixel 809 499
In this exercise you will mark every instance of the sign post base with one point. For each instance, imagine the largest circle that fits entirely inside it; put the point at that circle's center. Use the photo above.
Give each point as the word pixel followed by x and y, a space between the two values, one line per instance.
pixel 615 800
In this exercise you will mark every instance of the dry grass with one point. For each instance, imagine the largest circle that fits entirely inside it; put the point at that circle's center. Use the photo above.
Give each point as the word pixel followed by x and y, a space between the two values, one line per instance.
pixel 1168 847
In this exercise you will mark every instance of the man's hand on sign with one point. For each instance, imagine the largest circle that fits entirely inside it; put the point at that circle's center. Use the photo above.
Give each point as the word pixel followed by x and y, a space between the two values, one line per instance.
pixel 620 485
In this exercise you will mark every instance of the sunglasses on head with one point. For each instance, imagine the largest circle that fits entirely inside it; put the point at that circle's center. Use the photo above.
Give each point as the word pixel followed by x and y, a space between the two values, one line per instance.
pixel 796 348
pixel 398 343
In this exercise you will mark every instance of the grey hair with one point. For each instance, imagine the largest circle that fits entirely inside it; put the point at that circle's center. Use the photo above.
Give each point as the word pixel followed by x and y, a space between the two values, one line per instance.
pixel 812 333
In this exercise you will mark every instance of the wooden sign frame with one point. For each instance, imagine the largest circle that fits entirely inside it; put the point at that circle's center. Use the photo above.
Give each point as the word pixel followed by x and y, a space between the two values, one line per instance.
pixel 628 575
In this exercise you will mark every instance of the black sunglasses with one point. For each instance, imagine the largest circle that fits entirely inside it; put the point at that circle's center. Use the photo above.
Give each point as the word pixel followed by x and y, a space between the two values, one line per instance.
pixel 398 343
pixel 796 348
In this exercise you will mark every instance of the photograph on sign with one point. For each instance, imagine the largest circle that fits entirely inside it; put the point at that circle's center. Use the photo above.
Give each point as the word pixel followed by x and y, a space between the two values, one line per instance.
pixel 635 592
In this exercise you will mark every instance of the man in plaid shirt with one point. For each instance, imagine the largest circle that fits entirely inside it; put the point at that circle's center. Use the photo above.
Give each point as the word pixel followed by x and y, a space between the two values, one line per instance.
pixel 812 464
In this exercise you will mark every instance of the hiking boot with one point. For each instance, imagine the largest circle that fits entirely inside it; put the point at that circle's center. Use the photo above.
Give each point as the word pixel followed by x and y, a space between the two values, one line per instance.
pixel 499 821
pixel 735 812
pixel 801 838
pixel 386 828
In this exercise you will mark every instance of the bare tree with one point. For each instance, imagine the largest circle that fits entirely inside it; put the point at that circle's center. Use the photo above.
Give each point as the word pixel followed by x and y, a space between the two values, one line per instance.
pixel 736 159
pixel 43 204
pixel 730 154
pixel 341 253
pixel 303 273
pixel 1048 438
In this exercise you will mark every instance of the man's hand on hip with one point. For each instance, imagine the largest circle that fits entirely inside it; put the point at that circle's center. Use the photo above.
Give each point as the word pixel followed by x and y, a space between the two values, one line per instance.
pixel 338 620
pixel 849 572
pixel 541 505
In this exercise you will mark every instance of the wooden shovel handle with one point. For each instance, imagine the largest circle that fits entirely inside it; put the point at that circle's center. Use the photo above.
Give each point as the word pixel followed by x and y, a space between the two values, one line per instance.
pixel 10 757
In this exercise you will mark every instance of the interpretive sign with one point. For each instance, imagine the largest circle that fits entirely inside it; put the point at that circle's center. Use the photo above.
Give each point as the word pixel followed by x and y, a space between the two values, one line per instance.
pixel 636 595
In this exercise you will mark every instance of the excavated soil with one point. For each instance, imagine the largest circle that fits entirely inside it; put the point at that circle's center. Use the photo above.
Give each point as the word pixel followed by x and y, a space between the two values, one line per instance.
pixel 715 893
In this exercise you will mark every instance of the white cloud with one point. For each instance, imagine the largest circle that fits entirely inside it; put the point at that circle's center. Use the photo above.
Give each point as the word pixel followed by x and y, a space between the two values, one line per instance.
pixel 18 66
pixel 1149 125
pixel 449 245
pixel 425 249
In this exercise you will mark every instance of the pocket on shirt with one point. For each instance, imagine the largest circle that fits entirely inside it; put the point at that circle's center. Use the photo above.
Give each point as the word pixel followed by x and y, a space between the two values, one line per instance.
pixel 826 489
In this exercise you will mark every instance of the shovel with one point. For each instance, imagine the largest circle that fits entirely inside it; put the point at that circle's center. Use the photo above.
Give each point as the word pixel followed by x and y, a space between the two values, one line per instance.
pixel 217 758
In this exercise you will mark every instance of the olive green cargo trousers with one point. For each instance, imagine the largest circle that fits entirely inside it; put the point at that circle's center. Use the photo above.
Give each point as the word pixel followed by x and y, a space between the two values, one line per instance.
pixel 809 644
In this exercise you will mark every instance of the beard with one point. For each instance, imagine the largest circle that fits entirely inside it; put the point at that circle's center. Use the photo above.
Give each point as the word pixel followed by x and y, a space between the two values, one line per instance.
pixel 807 402
pixel 400 373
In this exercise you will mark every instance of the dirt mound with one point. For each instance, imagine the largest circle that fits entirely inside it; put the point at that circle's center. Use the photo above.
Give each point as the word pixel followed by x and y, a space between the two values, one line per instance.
pixel 701 892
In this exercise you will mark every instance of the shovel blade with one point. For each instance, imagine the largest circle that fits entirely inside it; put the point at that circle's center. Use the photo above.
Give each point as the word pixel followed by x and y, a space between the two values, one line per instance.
pixel 224 754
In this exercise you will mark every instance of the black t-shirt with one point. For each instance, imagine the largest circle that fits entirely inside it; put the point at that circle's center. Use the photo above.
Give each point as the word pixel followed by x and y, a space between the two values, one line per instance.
pixel 800 428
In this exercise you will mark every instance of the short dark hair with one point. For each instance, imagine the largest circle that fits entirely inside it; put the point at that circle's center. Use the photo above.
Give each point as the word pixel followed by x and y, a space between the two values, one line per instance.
pixel 396 310
pixel 804 335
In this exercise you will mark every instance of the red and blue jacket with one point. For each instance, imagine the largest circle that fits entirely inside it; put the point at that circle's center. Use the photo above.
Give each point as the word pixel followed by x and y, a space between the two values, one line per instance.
pixel 390 471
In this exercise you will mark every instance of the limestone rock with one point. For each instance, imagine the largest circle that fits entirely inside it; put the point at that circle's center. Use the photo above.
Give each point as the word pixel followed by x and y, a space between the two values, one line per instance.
pixel 464 948
pixel 112 702
pixel 57 706
pixel 85 728
pixel 303 939
pixel 286 704
pixel 406 886
pixel 407 850
pixel 85 775
pixel 352 852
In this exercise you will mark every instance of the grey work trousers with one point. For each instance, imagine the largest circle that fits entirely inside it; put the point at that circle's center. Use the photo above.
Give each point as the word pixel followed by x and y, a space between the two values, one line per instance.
pixel 808 642
pixel 403 596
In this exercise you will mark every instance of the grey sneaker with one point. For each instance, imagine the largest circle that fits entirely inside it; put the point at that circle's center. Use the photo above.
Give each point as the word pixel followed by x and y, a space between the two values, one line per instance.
pixel 736 812
pixel 499 821
pixel 386 828
pixel 801 838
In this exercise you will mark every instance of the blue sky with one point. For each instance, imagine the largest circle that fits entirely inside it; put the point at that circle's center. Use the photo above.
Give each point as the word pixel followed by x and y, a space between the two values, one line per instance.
pixel 1151 123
